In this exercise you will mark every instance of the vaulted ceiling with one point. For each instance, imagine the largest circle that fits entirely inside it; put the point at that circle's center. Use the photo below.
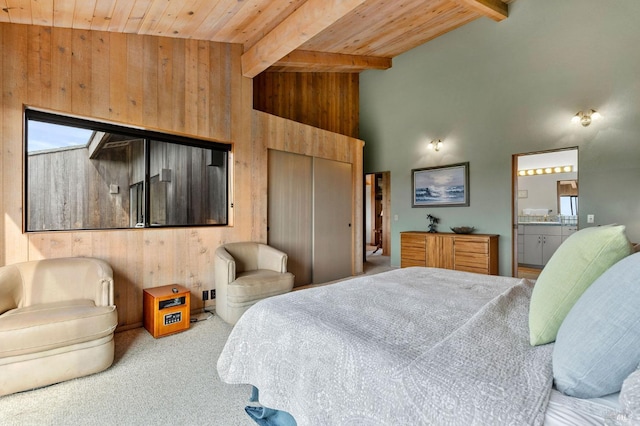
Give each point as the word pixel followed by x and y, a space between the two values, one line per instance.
pixel 277 35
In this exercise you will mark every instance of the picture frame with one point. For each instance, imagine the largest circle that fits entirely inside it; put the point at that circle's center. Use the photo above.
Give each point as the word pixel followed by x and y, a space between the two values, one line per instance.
pixel 441 186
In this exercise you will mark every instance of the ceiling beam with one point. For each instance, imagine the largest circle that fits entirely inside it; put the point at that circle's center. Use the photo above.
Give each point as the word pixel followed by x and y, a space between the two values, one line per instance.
pixel 305 60
pixel 494 9
pixel 306 22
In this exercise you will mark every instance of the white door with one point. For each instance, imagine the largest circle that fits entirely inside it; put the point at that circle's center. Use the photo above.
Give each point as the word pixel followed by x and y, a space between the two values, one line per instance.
pixel 332 216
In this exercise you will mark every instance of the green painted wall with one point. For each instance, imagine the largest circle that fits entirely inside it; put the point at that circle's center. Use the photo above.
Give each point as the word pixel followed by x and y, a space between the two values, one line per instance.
pixel 491 90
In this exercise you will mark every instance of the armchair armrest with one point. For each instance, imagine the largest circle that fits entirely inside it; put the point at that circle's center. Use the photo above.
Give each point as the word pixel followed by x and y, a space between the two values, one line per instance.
pixel 271 258
pixel 105 293
pixel 104 290
pixel 10 288
pixel 225 266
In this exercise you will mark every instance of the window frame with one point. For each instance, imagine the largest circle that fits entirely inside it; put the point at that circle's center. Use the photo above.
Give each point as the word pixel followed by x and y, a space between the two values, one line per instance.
pixel 148 136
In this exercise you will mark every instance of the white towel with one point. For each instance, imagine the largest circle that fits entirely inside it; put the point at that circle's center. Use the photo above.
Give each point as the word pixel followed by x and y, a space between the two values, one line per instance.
pixel 535 212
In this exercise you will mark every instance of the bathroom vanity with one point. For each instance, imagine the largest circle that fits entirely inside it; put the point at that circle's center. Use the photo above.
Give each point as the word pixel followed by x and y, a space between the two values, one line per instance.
pixel 539 240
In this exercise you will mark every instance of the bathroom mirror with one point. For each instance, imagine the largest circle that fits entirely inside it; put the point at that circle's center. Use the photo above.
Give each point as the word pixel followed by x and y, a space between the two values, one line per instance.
pixel 548 187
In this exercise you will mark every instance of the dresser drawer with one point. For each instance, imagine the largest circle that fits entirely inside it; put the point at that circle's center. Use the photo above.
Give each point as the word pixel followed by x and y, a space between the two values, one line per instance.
pixel 471 260
pixel 465 268
pixel 413 250
pixel 470 246
pixel 407 263
pixel 475 254
pixel 414 255
pixel 409 241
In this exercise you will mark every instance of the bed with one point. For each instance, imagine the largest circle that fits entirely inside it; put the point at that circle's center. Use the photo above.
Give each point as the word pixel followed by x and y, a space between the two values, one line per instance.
pixel 410 346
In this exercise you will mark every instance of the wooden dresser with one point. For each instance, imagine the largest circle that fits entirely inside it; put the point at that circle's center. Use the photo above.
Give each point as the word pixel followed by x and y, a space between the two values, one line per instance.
pixel 462 252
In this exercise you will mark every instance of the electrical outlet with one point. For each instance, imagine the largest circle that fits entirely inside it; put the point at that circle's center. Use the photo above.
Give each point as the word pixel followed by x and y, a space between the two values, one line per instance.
pixel 590 218
pixel 213 293
pixel 205 295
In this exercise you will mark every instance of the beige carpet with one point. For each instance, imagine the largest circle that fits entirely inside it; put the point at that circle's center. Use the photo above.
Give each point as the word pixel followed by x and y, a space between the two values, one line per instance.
pixel 170 381
pixel 376 263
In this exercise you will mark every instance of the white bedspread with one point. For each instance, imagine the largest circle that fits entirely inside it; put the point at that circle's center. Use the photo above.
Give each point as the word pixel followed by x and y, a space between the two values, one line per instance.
pixel 410 346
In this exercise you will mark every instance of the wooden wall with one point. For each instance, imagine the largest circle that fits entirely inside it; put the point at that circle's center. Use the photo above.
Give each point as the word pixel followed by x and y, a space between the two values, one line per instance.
pixel 179 86
pixel 289 136
pixel 329 101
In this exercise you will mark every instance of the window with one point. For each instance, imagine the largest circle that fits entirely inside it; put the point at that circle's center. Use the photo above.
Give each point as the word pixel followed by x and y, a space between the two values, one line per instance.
pixel 568 197
pixel 82 174
pixel 569 205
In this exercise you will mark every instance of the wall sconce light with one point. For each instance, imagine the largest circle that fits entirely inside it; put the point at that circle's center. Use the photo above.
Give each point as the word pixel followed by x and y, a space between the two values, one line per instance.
pixel 585 117
pixel 545 171
pixel 435 145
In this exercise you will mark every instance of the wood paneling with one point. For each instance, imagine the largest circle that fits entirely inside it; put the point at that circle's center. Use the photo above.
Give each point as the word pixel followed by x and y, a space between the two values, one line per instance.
pixel 144 81
pixel 289 136
pixel 342 36
pixel 130 79
pixel 329 101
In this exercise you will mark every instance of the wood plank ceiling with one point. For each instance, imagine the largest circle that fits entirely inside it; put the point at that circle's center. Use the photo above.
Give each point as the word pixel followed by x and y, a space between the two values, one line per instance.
pixel 277 35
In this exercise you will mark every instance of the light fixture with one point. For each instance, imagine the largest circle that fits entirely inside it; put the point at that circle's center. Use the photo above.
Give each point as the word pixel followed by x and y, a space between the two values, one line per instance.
pixel 585 117
pixel 545 171
pixel 435 145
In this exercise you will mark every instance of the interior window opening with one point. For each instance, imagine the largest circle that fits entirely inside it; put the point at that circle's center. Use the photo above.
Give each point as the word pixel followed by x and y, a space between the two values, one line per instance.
pixel 88 175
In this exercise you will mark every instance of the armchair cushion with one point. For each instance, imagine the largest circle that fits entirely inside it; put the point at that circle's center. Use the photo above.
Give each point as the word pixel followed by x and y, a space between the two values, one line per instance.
pixel 60 279
pixel 245 255
pixel 42 327
pixel 255 285
pixel 272 259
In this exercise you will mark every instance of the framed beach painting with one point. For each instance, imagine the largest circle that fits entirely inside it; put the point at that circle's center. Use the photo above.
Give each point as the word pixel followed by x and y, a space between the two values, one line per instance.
pixel 442 186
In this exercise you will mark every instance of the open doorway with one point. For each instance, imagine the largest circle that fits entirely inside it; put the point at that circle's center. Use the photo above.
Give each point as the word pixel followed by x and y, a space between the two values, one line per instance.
pixel 377 227
pixel 545 207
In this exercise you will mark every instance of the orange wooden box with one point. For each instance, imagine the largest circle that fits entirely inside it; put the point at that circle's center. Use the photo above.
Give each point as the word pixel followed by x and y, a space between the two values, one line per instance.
pixel 166 309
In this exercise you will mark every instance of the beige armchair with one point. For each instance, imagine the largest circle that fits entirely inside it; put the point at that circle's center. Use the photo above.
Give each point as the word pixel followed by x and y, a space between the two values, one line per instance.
pixel 245 273
pixel 57 318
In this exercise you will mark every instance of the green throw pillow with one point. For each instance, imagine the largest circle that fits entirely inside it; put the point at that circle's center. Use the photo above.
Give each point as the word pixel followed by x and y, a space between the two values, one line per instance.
pixel 577 263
